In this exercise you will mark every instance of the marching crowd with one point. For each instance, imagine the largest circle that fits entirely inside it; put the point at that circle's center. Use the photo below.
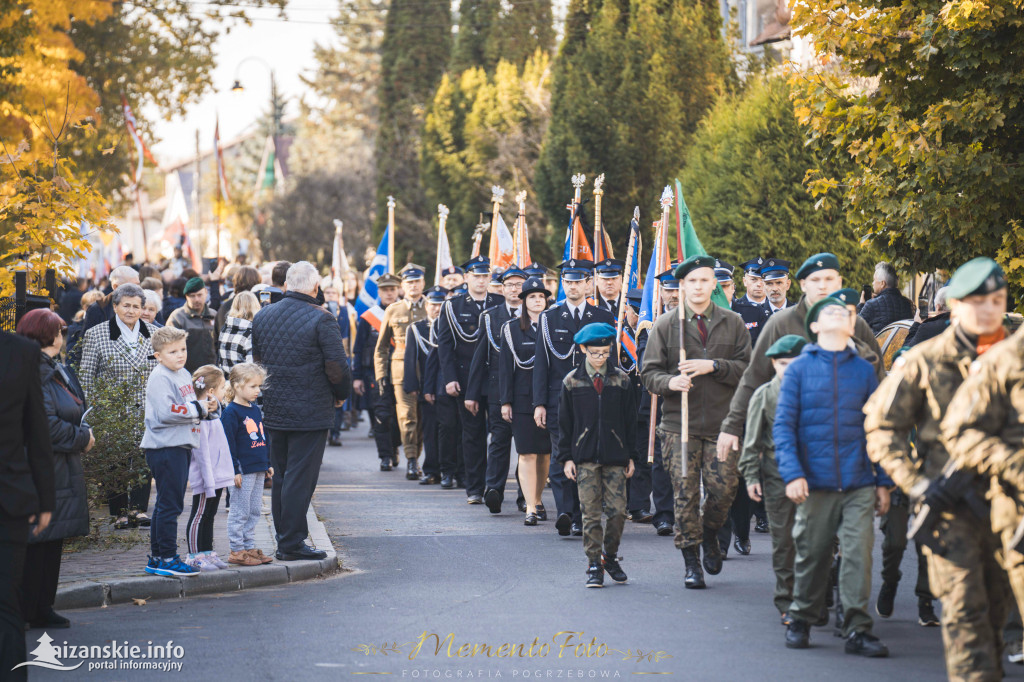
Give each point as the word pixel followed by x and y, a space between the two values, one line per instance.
pixel 720 410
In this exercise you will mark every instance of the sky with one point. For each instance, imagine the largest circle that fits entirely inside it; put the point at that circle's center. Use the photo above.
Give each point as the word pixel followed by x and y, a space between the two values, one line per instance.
pixel 286 45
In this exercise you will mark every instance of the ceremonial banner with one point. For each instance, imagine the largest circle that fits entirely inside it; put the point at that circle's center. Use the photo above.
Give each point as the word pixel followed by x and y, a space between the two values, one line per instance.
pixel 176 224
pixel 630 280
pixel 577 244
pixel 140 146
pixel 381 263
pixel 520 235
pixel 691 245
pixel 339 261
pixel 222 179
pixel 375 315
pixel 502 250
pixel 658 264
pixel 270 174
pixel 444 250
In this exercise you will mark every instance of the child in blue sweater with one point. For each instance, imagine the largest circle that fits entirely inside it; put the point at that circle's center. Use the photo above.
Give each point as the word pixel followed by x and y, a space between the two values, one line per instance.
pixel 821 451
pixel 243 426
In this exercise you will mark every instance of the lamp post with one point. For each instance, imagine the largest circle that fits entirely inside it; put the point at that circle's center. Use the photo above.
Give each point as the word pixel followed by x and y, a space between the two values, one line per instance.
pixel 237 87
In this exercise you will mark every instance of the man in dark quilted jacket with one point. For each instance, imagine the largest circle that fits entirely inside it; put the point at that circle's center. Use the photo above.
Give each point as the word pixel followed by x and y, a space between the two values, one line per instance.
pixel 822 455
pixel 299 344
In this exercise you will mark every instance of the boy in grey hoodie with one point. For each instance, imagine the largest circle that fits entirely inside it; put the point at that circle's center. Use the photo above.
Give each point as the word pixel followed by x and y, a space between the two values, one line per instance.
pixel 172 429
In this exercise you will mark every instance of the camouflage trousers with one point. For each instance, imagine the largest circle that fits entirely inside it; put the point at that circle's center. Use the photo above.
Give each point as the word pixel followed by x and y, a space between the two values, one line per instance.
pixel 975 597
pixel 407 411
pixel 602 487
pixel 702 466
pixel 781 516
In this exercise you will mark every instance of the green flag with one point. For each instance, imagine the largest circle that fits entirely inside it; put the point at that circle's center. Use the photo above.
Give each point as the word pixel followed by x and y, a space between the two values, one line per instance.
pixel 691 243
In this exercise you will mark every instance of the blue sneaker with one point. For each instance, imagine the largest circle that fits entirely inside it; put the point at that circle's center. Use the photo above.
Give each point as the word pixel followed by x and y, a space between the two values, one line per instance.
pixel 153 566
pixel 175 566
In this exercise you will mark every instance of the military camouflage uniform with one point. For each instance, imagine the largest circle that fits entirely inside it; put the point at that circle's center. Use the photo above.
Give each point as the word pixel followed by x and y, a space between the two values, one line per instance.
pixel 757 461
pixel 393 327
pixel 966 576
pixel 602 488
pixel 728 343
pixel 984 428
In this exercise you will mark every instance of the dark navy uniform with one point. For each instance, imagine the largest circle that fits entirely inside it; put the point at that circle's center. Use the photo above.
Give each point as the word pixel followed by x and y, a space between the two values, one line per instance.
pixel 449 424
pixel 755 315
pixel 483 388
pixel 380 408
pixel 557 355
pixel 609 268
pixel 419 343
pixel 458 334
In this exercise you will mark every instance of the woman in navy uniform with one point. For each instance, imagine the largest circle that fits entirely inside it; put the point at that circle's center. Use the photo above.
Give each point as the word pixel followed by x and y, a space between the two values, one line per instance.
pixel 515 394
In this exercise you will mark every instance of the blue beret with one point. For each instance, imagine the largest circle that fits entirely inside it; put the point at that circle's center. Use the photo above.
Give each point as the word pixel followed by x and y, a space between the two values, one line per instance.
pixel 693 263
pixel 976 277
pixel 193 285
pixel 478 266
pixel 532 286
pixel 595 334
pixel 789 346
pixel 819 261
pixel 774 268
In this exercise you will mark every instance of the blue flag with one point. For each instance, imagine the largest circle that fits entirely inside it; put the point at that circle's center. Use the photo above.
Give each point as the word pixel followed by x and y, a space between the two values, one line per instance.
pixel 368 296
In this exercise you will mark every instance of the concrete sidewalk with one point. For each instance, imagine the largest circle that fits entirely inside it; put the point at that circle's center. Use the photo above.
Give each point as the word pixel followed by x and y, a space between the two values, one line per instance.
pixel 99 577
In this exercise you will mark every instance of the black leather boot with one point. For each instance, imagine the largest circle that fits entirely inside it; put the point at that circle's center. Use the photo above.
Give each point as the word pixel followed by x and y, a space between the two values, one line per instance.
pixel 595 574
pixel 694 574
pixel 712 552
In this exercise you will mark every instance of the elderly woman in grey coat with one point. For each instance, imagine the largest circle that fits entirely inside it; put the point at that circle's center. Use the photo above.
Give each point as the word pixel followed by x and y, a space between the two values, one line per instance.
pixel 70 436
pixel 120 350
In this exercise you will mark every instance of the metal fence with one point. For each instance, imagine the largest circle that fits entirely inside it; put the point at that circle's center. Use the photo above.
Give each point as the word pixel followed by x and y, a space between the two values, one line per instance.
pixel 8 313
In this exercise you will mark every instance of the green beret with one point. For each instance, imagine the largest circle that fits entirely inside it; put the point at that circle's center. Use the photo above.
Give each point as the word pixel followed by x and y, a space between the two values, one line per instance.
pixel 847 296
pixel 193 285
pixel 819 261
pixel 812 314
pixel 976 277
pixel 595 334
pixel 789 346
pixel 693 263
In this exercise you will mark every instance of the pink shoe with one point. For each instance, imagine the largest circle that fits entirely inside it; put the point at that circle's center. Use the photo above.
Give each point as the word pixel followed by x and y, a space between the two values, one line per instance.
pixel 211 557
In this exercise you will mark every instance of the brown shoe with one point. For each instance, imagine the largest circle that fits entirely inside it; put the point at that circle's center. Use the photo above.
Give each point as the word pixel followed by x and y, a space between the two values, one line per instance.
pixel 259 556
pixel 243 558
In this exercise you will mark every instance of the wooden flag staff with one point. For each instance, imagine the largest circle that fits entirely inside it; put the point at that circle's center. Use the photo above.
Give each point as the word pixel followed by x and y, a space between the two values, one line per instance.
pixel 598 194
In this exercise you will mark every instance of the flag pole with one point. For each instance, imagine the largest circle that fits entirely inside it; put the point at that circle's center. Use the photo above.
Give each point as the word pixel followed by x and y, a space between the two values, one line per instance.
pixel 666 204
pixel 656 305
pixel 497 197
pixel 598 241
pixel 442 221
pixel 577 182
pixel 391 234
pixel 521 236
pixel 622 298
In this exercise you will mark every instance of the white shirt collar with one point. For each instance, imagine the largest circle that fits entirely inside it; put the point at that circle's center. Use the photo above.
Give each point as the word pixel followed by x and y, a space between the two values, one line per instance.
pixel 512 311
pixel 573 308
pixel 131 335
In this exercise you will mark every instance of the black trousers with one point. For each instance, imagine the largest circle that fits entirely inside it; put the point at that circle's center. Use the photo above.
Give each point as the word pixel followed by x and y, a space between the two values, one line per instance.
pixel 449 436
pixel 296 457
pixel 200 530
pixel 563 489
pixel 136 500
pixel 13 541
pixel 39 581
pixel 499 449
pixel 638 492
pixel 428 422
pixel 474 447
pixel 382 420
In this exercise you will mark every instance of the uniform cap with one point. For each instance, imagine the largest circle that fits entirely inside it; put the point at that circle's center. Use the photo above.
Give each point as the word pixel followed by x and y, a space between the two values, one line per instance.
pixel 480 265
pixel 411 271
pixel 723 270
pixel 812 314
pixel 452 270
pixel 789 346
pixel 693 263
pixel 976 277
pixel 595 334
pixel 847 296
pixel 610 267
pixel 668 280
pixel 513 272
pixel 533 286
pixel 535 269
pixel 388 280
pixel 774 268
pixel 817 262
pixel 496 275
pixel 635 297
pixel 436 294
pixel 193 285
pixel 753 266
pixel 576 270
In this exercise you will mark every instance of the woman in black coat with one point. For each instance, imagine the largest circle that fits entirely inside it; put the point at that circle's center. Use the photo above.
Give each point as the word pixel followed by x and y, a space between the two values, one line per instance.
pixel 515 391
pixel 65 407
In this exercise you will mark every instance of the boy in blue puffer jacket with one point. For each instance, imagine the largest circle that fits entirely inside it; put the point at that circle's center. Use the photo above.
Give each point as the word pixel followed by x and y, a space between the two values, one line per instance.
pixel 822 456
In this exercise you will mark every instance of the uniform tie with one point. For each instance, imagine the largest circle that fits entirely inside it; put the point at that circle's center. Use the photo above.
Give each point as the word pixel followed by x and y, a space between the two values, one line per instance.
pixel 702 328
pixel 598 383
pixel 576 316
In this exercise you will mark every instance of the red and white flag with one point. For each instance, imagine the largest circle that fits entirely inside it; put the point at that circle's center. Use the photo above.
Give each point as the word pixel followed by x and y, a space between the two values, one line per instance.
pixel 176 224
pixel 133 133
pixel 521 245
pixel 222 178
pixel 502 250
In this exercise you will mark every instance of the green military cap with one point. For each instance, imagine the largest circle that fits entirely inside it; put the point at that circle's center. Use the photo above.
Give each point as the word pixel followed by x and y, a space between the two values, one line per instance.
pixel 819 261
pixel 976 277
pixel 595 334
pixel 388 280
pixel 812 314
pixel 789 346
pixel 193 285
pixel 693 263
pixel 847 296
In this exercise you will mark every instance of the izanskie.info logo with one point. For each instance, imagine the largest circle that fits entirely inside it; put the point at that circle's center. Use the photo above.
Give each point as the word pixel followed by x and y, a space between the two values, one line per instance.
pixel 113 656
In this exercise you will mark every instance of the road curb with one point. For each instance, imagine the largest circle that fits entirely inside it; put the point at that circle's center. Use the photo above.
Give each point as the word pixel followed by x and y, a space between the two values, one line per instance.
pixel 106 591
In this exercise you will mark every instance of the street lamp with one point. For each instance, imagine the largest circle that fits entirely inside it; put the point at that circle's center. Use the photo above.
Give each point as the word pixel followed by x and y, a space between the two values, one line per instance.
pixel 238 87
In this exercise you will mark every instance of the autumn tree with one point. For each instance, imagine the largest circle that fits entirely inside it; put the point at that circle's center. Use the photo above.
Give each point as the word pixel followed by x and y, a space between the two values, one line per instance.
pixel 924 97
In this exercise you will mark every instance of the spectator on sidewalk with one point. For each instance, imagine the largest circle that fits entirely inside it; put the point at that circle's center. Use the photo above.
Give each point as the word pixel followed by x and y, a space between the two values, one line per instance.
pixel 196 319
pixel 70 437
pixel 234 345
pixel 300 345
pixel 27 493
pixel 244 279
pixel 151 309
pixel 888 304
pixel 103 311
pixel 120 351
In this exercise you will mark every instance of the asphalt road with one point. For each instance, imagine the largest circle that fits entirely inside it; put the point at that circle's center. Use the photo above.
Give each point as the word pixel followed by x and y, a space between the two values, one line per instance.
pixel 421 562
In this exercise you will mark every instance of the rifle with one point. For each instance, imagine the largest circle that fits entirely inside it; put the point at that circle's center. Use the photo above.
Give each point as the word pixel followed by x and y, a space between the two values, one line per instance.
pixel 952 487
